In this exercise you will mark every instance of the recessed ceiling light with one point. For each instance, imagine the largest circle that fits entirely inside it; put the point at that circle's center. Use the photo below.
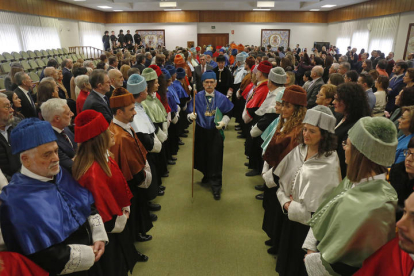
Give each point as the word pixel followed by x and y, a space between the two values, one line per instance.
pixel 261 9
pixel 265 4
pixel 79 0
pixel 118 10
pixel 172 9
pixel 104 7
pixel 328 6
pixel 168 4
pixel 314 10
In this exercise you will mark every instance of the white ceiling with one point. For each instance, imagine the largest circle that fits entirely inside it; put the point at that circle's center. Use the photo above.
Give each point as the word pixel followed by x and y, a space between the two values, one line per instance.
pixel 247 5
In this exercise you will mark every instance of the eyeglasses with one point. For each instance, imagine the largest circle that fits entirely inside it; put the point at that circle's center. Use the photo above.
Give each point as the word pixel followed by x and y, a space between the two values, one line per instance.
pixel 8 107
pixel 407 153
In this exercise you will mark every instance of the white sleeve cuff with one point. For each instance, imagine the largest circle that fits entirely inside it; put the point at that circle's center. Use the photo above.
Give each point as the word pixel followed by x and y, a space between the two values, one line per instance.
pixel 266 167
pixel 98 229
pixel 268 178
pixel 255 131
pixel 148 177
pixel 120 223
pixel 178 108
pixel 310 241
pixel 297 212
pixel 161 135
pixel 81 258
pixel 157 145
pixel 283 199
pixel 176 117
pixel 246 117
pixel 314 265
pixel 165 128
pixel 225 120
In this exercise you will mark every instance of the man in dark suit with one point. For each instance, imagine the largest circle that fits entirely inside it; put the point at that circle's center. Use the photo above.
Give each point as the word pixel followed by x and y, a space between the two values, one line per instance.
pixel 396 84
pixel 97 99
pixel 148 59
pixel 113 63
pixel 199 70
pixel 105 41
pixel 59 115
pixel 117 80
pixel 137 38
pixel 24 83
pixel 9 163
pixel 128 37
pixel 315 85
pixel 140 63
pixel 67 65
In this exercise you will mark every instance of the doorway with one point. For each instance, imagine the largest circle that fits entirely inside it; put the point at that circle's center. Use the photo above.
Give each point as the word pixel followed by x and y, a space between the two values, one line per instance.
pixel 212 39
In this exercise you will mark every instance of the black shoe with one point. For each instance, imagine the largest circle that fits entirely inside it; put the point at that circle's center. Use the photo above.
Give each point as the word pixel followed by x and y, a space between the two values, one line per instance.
pixel 170 162
pixel 241 136
pixel 181 143
pixel 272 251
pixel 260 196
pixel 160 192
pixel 165 175
pixel 174 158
pixel 216 195
pixel 253 173
pixel 154 207
pixel 154 217
pixel 142 257
pixel 240 132
pixel 238 125
pixel 183 135
pixel 269 242
pixel 246 164
pixel 260 187
pixel 186 131
pixel 162 188
pixel 144 238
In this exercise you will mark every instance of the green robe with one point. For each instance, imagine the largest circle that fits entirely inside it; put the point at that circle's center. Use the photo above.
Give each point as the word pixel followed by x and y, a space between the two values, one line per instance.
pixel 352 223
pixel 154 109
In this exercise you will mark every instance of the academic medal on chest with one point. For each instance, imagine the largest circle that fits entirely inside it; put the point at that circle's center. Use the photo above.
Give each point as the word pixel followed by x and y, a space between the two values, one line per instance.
pixel 210 111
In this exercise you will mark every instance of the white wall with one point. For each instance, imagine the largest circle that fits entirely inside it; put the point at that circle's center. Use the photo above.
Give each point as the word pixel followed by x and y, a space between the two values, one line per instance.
pixel 175 34
pixel 405 19
pixel 69 33
pixel 250 33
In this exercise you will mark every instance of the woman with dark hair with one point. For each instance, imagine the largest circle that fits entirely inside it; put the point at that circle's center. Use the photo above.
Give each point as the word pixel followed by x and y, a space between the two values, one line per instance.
pixel 46 90
pixel 307 175
pixel 336 79
pixel 328 63
pixel 304 65
pixel 402 177
pixel 367 66
pixel 406 126
pixel 404 98
pixel 283 141
pixel 358 217
pixel 95 170
pixel 16 104
pixel 381 83
pixel 307 79
pixel 285 63
pixel 350 101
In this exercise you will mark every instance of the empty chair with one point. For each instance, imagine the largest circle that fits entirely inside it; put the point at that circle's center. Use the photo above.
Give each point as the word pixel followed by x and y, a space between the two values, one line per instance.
pixel 32 54
pixel 96 61
pixel 8 57
pixel 44 53
pixel 73 57
pixel 65 51
pixel 2 59
pixel 26 66
pixel 17 56
pixel 58 59
pixel 34 76
pixel 39 72
pixel 60 51
pixel 79 56
pixel 2 84
pixel 41 63
pixel 5 68
pixel 24 55
pixel 83 56
pixel 34 64
pixel 45 60
pixel 38 54
pixel 50 52
pixel 55 52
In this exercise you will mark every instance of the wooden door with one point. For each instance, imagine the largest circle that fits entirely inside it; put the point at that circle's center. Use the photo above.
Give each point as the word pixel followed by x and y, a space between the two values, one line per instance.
pixel 212 39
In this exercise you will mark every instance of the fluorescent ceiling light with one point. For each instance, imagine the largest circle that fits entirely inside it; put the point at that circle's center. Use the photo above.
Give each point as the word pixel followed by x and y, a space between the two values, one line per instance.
pixel 328 6
pixel 104 7
pixel 172 9
pixel 314 10
pixel 168 4
pixel 118 10
pixel 261 9
pixel 265 4
pixel 79 0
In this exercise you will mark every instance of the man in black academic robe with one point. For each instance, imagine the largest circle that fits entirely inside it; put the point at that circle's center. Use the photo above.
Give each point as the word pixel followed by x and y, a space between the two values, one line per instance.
pixel 224 77
pixel 137 38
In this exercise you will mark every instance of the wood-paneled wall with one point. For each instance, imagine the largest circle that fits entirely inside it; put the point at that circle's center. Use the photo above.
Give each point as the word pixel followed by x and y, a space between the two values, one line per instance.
pixel 371 8
pixel 53 8
pixel 216 16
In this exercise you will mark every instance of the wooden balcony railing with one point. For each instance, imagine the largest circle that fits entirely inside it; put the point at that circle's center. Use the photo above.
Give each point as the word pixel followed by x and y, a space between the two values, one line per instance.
pixel 89 51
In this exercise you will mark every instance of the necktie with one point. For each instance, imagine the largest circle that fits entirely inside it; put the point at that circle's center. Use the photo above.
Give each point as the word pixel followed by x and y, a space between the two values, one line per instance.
pixel 106 100
pixel 31 100
pixel 202 69
pixel 67 138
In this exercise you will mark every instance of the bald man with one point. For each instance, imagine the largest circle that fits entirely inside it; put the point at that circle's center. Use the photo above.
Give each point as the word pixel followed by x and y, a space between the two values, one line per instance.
pixel 117 80
pixel 314 86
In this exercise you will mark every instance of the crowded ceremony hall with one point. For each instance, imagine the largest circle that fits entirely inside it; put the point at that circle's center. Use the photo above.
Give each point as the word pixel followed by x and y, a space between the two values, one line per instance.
pixel 207 138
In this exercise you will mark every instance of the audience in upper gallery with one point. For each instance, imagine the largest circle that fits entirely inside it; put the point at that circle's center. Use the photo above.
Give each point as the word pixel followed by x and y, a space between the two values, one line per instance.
pixel 343 84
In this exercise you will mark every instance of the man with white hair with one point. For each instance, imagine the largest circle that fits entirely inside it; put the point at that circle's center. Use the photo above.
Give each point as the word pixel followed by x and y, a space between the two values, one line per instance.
pixel 117 80
pixel 58 114
pixel 55 225
pixel 89 63
pixel 334 68
pixel 315 85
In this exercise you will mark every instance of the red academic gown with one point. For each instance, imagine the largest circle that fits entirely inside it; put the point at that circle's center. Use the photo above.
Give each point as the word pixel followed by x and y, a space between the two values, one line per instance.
pixel 258 97
pixel 13 264
pixel 390 259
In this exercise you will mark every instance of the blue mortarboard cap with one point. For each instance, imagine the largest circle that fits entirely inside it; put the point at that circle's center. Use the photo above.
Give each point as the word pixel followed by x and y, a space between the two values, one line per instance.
pixel 234 52
pixel 210 53
pixel 180 73
pixel 171 69
pixel 209 74
pixel 31 133
pixel 166 73
pixel 136 84
pixel 222 50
